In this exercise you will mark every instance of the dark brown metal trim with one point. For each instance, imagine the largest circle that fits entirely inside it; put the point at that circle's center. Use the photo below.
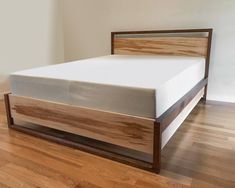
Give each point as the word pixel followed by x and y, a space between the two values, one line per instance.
pixel 112 43
pixel 210 33
pixel 157 147
pixel 166 118
pixel 165 31
pixel 10 120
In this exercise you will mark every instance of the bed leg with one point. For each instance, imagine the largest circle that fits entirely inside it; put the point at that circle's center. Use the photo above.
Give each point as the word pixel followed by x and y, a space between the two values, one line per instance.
pixel 10 120
pixel 205 93
pixel 157 147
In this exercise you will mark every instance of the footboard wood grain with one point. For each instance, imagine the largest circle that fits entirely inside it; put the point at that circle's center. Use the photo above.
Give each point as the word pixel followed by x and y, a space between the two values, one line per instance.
pixel 123 130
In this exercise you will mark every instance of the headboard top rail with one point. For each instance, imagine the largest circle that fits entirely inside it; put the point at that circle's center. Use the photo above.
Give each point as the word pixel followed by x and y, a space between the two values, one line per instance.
pixel 207 30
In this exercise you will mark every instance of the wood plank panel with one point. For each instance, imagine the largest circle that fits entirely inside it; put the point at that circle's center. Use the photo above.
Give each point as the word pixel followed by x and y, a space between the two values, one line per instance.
pixel 2 113
pixel 126 131
pixel 188 46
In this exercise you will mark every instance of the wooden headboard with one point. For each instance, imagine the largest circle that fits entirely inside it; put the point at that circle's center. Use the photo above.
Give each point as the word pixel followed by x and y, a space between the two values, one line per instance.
pixel 188 42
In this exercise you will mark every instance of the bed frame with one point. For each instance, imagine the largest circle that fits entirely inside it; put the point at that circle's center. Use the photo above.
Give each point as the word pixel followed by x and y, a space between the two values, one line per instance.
pixel 128 139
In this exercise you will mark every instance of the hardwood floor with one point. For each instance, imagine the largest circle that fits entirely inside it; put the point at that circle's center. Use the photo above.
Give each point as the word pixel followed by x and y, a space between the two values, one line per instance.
pixel 201 154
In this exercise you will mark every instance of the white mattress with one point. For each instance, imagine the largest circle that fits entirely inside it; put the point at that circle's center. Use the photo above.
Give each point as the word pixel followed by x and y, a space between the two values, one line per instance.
pixel 143 86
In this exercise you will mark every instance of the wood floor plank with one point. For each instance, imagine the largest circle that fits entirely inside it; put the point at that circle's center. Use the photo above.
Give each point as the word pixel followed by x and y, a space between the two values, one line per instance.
pixel 31 177
pixel 8 180
pixel 39 169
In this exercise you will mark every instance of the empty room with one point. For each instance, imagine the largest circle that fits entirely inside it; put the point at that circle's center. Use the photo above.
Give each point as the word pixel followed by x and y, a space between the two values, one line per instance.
pixel 117 93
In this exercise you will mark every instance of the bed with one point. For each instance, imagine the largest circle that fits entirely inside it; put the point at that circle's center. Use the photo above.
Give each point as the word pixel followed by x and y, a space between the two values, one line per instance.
pixel 125 106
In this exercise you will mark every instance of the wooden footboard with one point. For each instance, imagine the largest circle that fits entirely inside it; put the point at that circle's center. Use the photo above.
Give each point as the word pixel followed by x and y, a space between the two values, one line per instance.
pixel 126 131
pixel 124 138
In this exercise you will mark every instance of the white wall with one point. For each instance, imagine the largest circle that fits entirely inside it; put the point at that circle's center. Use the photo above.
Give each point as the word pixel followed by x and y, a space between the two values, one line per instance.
pixel 88 23
pixel 30 36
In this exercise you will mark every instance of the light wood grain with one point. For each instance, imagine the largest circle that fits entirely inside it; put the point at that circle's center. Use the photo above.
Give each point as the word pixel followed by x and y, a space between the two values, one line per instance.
pixel 187 46
pixel 198 155
pixel 122 130
pixel 2 113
